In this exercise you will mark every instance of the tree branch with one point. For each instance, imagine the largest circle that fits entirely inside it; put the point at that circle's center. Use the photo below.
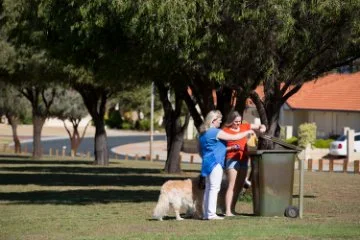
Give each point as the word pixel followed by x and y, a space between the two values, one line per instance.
pixel 260 107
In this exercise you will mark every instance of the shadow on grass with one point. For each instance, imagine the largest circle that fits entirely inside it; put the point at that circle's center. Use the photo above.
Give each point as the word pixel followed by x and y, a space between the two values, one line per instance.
pixel 65 173
pixel 82 179
pixel 79 197
pixel 86 170
pixel 29 160
pixel 4 155
pixel 305 196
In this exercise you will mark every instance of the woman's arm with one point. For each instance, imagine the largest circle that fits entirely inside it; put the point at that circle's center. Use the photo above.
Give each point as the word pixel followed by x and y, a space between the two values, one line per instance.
pixel 230 137
pixel 260 127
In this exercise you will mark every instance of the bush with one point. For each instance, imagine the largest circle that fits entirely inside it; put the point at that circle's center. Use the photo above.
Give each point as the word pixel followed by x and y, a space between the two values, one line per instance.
pixel 26 119
pixel 323 143
pixel 282 133
pixel 126 125
pixel 114 120
pixel 306 134
pixel 293 141
pixel 143 125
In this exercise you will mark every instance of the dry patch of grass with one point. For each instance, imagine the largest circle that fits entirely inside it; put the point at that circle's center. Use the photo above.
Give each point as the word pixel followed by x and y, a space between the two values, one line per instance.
pixel 73 199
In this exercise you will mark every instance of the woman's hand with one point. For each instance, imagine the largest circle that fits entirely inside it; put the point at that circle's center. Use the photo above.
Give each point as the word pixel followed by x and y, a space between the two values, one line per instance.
pixel 235 147
pixel 250 133
pixel 262 128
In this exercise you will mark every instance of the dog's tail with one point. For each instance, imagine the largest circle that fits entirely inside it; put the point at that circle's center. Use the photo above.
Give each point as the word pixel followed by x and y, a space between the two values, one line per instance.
pixel 162 206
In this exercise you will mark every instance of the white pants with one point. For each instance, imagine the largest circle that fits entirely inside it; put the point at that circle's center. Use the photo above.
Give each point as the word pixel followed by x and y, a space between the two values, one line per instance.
pixel 212 188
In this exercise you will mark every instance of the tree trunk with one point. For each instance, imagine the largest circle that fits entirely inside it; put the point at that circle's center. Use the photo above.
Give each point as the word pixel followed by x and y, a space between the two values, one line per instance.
pixel 195 114
pixel 101 148
pixel 174 130
pixel 75 140
pixel 95 101
pixel 174 144
pixel 38 123
pixel 224 97
pixel 36 96
pixel 269 112
pixel 13 121
pixel 175 139
pixel 273 130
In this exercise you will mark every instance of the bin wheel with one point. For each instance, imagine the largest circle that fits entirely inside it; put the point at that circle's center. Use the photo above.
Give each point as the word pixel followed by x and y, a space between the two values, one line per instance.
pixel 292 212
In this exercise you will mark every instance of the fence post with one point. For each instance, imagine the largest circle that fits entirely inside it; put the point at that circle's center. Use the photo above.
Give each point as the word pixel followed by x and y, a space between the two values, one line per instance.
pixel 320 165
pixel 57 152
pixel 301 187
pixel 310 164
pixel 136 157
pixel 50 152
pixel 157 157
pixel 192 159
pixel 345 165
pixel 356 166
pixel 331 165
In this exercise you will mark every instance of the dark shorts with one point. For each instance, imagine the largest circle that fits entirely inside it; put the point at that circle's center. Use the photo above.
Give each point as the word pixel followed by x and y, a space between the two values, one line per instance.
pixel 235 164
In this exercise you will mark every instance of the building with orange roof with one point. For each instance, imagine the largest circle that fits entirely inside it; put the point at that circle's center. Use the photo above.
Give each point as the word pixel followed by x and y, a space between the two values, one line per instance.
pixel 331 101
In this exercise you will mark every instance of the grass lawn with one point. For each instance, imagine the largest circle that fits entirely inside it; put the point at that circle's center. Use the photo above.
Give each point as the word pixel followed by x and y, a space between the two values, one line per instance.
pixel 73 199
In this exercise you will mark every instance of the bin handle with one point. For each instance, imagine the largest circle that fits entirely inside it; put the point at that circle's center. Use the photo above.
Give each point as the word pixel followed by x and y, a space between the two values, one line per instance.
pixel 280 142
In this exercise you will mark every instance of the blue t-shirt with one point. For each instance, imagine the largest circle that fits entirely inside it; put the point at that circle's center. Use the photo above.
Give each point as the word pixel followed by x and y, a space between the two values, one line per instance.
pixel 213 151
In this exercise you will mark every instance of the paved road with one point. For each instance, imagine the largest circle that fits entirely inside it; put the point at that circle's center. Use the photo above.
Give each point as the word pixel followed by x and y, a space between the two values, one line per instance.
pixel 87 145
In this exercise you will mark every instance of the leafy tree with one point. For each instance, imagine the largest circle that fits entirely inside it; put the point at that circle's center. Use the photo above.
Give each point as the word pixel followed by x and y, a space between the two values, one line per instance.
pixel 280 44
pixel 174 127
pixel 129 32
pixel 29 68
pixel 70 106
pixel 317 37
pixel 165 29
pixel 15 107
pixel 136 99
pixel 41 100
pixel 31 71
pixel 91 38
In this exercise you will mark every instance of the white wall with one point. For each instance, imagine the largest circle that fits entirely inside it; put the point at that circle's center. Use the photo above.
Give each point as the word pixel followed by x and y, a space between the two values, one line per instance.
pixel 334 122
pixel 293 118
pixel 346 119
pixel 327 122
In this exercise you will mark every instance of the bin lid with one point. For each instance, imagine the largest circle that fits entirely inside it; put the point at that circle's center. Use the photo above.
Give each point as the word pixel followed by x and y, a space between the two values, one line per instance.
pixel 281 142
pixel 277 151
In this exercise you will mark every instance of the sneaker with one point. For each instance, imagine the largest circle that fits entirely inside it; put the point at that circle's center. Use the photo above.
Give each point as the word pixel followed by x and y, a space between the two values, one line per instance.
pixel 230 215
pixel 247 184
pixel 216 217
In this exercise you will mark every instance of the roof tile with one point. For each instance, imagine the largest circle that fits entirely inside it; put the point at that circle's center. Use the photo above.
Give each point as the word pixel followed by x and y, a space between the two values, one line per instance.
pixel 339 92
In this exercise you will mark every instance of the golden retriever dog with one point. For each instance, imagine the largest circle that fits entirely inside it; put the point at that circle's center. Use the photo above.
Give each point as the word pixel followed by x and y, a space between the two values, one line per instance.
pixel 184 194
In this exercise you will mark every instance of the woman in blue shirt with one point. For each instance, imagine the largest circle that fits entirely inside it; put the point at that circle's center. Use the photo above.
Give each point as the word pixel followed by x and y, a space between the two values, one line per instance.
pixel 213 150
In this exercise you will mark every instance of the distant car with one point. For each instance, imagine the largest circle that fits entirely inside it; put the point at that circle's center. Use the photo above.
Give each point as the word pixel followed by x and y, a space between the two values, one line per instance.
pixel 339 146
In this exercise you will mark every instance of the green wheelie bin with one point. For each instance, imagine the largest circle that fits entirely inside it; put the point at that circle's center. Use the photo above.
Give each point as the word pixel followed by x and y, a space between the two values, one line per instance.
pixel 272 182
